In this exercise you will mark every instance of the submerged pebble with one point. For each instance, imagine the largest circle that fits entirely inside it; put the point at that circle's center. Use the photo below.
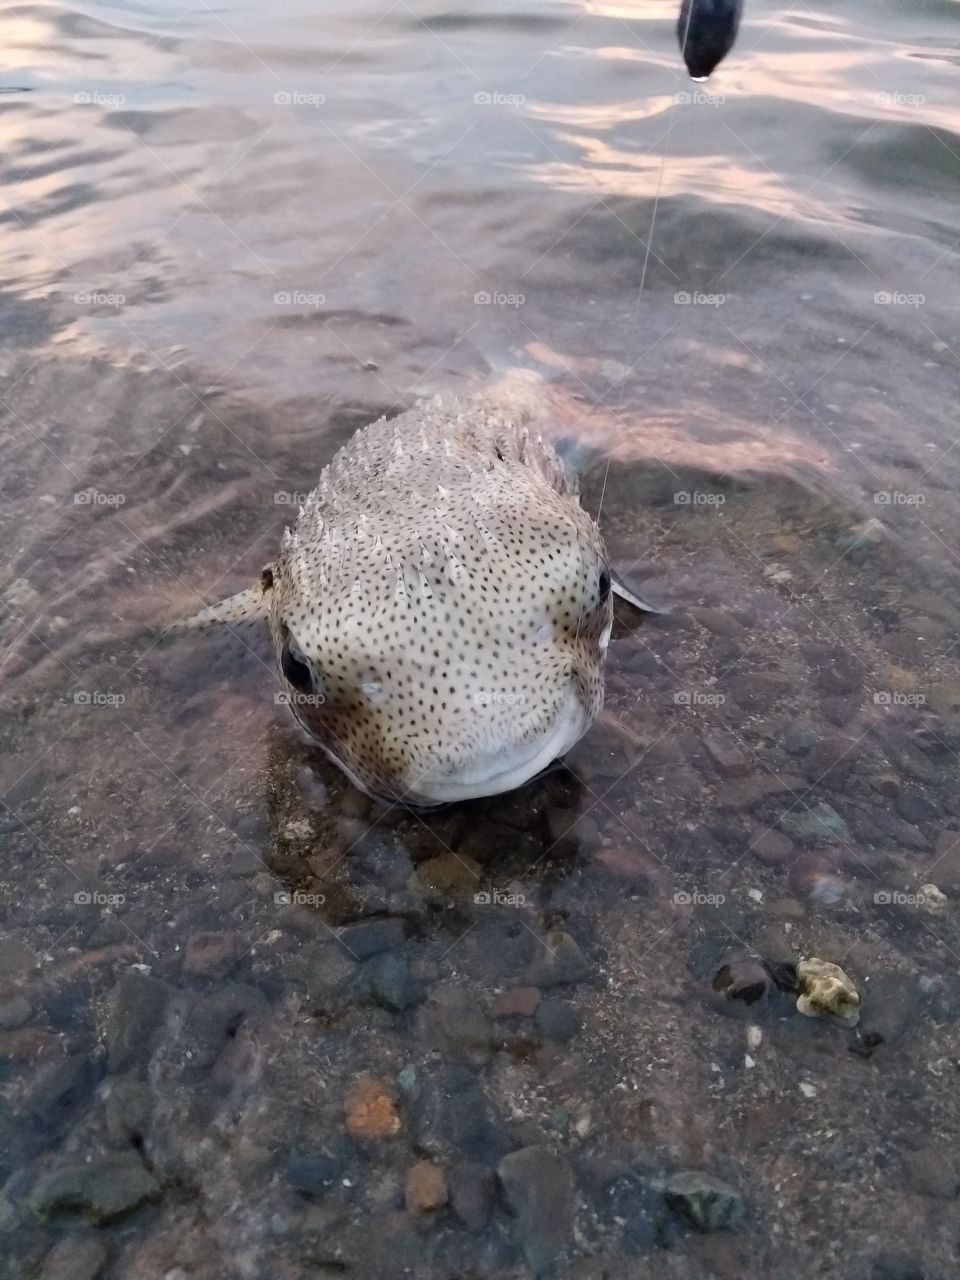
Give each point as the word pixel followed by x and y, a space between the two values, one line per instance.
pixel 537 1185
pixel 704 1201
pixel 826 991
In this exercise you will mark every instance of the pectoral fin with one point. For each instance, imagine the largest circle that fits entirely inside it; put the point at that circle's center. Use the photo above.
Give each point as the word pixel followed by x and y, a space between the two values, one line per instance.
pixel 246 606
pixel 623 592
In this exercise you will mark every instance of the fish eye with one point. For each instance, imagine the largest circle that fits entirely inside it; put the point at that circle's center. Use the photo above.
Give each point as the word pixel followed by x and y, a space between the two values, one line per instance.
pixel 296 670
pixel 604 585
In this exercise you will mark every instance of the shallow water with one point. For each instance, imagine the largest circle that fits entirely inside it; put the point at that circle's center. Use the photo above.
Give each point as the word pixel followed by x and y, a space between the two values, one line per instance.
pixel 233 233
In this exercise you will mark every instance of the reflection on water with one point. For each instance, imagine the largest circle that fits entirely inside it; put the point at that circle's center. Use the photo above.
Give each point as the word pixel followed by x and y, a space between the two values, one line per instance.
pixel 232 235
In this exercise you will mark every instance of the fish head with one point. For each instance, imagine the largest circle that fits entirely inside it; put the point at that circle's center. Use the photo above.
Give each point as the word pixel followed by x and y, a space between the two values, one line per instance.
pixel 461 672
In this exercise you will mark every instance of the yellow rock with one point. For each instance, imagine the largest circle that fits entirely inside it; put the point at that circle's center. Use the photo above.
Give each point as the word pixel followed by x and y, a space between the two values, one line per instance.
pixel 826 991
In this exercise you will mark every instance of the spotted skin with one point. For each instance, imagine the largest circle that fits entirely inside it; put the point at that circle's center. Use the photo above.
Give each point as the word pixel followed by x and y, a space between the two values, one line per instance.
pixel 442 606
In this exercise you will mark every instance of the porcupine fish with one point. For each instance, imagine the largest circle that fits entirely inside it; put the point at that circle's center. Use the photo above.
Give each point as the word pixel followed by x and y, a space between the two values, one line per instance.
pixel 442 606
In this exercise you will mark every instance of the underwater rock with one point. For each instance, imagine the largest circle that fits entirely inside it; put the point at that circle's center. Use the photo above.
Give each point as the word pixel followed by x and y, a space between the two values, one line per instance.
pixel 425 1187
pixel 371 1109
pixel 391 982
pixel 211 954
pixel 74 1259
pixel 820 823
pixel 826 991
pixel 537 1184
pixel 741 978
pixel 518 1002
pixel 138 1006
pixel 15 1013
pixel 368 937
pixel 932 1171
pixel 555 1020
pixel 932 900
pixel 313 1174
pixel 101 1189
pixel 128 1110
pixel 813 878
pixel 558 961
pixel 705 1202
pixel 472 1189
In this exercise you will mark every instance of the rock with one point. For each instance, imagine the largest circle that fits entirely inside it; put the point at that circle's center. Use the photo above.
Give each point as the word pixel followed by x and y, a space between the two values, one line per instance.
pixel 313 1174
pixel 455 1022
pixel 916 808
pixel 538 1188
pixel 128 1109
pixel 559 961
pixel 368 937
pixel 138 1005
pixel 425 1188
pixel 726 755
pixel 216 1018
pixel 15 1012
pixel 827 991
pixel 831 760
pixel 518 1002
pixel 743 979
pixel 799 738
pixel 705 1202
pixel 371 1109
pixel 632 867
pixel 819 823
pixel 813 877
pixel 74 1259
pixel 770 846
pixel 893 1003
pixel 932 1171
pixel 472 1189
pixel 888 784
pixel 555 1020
pixel 101 1189
pixel 451 875
pixel 63 1083
pixel 932 900
pixel 211 955
pixel 390 981
pixel 636 1201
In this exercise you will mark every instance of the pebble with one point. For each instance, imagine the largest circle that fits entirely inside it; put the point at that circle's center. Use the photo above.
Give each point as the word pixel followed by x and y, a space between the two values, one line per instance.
pixel 771 847
pixel 742 978
pixel 472 1191
pixel 538 1188
pixel 211 954
pixel 74 1259
pixel 425 1187
pixel 630 866
pixel 15 1013
pixel 138 1005
pixel 827 991
pixel 819 823
pixel 915 808
pixel 933 1171
pixel 313 1174
pixel 371 1109
pixel 726 755
pixel 390 981
pixel 556 1020
pixel 932 900
pixel 798 738
pixel 637 1202
pixel 558 961
pixel 705 1202
pixel 831 761
pixel 457 1024
pixel 368 937
pixel 102 1189
pixel 451 875
pixel 518 1002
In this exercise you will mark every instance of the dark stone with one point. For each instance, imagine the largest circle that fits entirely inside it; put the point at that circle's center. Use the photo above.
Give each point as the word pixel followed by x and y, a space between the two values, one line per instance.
pixel 368 937
pixel 454 1022
pixel 890 1005
pixel 742 979
pixel 538 1187
pixel 726 755
pixel 390 981
pixel 636 1202
pixel 798 738
pixel 128 1110
pixel 558 961
pixel 313 1174
pixel 915 808
pixel 216 1018
pixel 932 1171
pixel 831 760
pixel 453 1115
pixel 59 1086
pixel 100 1190
pixel 556 1020
pixel 705 1202
pixel 74 1259
pixel 138 1005
pixel 472 1190
pixel 211 954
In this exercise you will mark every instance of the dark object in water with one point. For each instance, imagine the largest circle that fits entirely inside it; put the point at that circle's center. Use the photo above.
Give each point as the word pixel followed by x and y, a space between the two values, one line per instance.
pixel 707 30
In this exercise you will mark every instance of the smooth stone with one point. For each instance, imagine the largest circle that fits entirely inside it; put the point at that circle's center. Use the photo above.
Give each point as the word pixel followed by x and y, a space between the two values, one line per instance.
pixel 102 1189
pixel 455 1021
pixel 726 755
pixel 891 1003
pixel 472 1191
pixel 743 979
pixel 819 823
pixel 538 1187
pixel 138 1005
pixel 63 1083
pixel 556 1020
pixel 390 981
pixel 915 808
pixel 451 875
pixel 368 937
pixel 211 954
pixel 425 1187
pixel 798 738
pixel 74 1259
pixel 518 1002
pixel 128 1109
pixel 371 1109
pixel 831 761
pixel 932 1171
pixel 769 846
pixel 313 1174
pixel 705 1202
pixel 558 961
